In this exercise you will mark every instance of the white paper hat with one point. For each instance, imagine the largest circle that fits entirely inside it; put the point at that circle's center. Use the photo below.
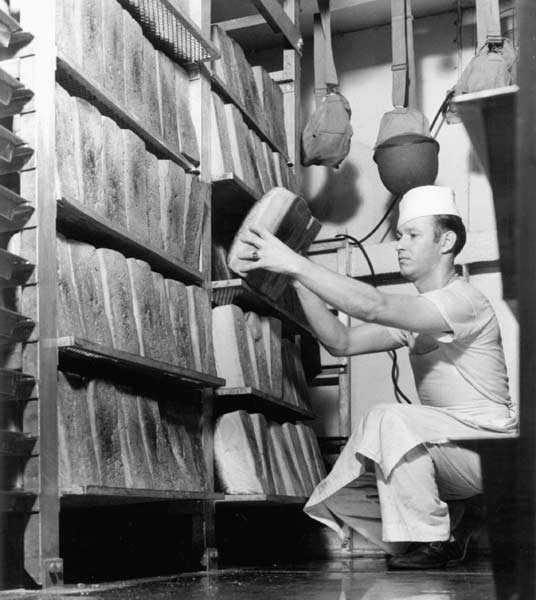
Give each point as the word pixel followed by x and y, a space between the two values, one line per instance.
pixel 425 201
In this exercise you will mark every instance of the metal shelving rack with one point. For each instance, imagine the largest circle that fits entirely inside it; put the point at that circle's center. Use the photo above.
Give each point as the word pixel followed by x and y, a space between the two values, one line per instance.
pixel 232 198
pixel 35 503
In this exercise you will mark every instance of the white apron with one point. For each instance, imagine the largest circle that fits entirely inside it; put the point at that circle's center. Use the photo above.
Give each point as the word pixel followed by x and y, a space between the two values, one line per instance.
pixel 462 384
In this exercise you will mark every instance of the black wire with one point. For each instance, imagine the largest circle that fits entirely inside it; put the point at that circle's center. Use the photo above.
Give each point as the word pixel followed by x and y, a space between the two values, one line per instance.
pixel 377 226
pixel 392 353
pixel 443 108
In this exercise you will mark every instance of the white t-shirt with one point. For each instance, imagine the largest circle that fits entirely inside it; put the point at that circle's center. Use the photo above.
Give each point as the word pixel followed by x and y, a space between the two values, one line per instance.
pixel 463 369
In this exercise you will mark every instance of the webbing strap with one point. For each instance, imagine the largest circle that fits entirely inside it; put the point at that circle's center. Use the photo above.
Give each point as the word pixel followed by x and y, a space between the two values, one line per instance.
pixel 325 17
pixel 399 52
pixel 412 75
pixel 488 22
pixel 324 64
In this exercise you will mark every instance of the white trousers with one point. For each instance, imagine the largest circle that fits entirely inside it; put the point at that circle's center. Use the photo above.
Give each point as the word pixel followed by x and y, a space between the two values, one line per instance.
pixel 411 504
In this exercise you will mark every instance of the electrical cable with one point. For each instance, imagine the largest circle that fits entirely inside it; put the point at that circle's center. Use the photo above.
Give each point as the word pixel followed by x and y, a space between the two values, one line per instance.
pixel 443 108
pixel 392 353
pixel 377 226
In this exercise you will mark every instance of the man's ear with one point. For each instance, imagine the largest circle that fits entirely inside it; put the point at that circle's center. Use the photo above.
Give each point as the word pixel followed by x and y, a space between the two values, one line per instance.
pixel 449 239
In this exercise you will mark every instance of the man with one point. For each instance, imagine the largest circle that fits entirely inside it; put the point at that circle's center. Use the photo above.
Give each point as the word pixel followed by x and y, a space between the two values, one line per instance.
pixel 458 364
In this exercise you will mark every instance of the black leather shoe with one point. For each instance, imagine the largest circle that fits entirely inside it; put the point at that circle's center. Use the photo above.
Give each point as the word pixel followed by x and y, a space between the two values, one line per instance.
pixel 469 526
pixel 438 555
pixel 429 555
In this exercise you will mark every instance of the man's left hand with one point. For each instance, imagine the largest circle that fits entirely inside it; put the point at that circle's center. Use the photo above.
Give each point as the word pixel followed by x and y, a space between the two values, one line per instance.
pixel 263 250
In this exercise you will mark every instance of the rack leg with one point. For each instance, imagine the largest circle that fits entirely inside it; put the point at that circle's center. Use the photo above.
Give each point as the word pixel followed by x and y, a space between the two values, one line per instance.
pixel 204 536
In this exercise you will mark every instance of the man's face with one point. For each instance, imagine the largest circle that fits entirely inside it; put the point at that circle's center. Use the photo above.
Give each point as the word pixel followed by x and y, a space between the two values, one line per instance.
pixel 418 250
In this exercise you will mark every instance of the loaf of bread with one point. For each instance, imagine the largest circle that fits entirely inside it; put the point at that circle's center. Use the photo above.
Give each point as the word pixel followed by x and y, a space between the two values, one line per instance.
pixel 257 350
pixel 104 416
pixel 260 429
pixel 118 303
pixel 236 455
pixel 231 348
pixel 269 212
pixel 77 457
pixel 298 456
pixel 288 481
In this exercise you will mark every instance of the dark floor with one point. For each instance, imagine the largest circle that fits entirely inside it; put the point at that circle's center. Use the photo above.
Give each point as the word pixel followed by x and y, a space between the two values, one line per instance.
pixel 351 579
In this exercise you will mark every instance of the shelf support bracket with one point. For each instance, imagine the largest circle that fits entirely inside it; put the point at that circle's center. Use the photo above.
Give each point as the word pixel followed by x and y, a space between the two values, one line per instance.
pixel 279 21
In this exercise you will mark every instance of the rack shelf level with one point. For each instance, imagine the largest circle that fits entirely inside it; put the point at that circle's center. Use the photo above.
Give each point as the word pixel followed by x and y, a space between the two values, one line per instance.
pixel 264 499
pixel 237 291
pixel 14 270
pixel 88 226
pixel 14 210
pixel 82 355
pixel 93 495
pixel 17 501
pixel 78 84
pixel 254 399
pixel 488 117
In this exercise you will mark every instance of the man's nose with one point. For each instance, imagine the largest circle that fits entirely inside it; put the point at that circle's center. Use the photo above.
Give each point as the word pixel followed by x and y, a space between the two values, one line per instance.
pixel 399 244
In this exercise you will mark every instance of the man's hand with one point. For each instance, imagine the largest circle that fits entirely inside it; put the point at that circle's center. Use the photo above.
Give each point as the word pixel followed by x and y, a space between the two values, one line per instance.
pixel 265 251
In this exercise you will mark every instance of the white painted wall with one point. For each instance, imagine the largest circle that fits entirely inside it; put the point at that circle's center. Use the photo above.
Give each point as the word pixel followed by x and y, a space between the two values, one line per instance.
pixel 352 199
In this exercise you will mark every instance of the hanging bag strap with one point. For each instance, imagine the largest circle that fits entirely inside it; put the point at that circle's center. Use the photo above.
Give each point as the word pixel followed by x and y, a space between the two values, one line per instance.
pixel 403 67
pixel 325 16
pixel 324 64
pixel 488 22
pixel 399 67
pixel 412 76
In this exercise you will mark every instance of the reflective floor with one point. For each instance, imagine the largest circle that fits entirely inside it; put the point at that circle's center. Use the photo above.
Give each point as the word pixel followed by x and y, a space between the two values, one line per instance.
pixel 355 579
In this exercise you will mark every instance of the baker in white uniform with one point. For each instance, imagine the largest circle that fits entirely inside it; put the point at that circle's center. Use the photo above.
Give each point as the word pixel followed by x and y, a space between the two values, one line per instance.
pixel 411 456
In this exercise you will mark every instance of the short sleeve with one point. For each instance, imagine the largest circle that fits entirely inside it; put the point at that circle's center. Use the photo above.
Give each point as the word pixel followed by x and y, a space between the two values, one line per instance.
pixel 459 310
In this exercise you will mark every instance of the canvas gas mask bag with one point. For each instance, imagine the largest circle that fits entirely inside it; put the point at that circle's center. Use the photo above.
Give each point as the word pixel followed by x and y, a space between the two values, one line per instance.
pixel 326 137
pixel 491 66
pixel 405 151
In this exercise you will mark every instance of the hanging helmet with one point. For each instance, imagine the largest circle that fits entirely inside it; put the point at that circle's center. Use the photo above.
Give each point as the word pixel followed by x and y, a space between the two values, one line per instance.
pixel 405 152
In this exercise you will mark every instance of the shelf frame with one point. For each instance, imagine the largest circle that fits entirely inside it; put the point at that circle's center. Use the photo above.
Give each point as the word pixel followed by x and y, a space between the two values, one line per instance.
pixel 88 226
pixel 78 354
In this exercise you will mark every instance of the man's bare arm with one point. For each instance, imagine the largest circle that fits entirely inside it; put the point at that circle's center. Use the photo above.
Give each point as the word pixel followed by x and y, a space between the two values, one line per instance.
pixel 335 336
pixel 355 298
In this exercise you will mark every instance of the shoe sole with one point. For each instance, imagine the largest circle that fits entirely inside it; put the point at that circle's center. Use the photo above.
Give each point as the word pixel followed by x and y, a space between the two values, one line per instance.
pixel 457 561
